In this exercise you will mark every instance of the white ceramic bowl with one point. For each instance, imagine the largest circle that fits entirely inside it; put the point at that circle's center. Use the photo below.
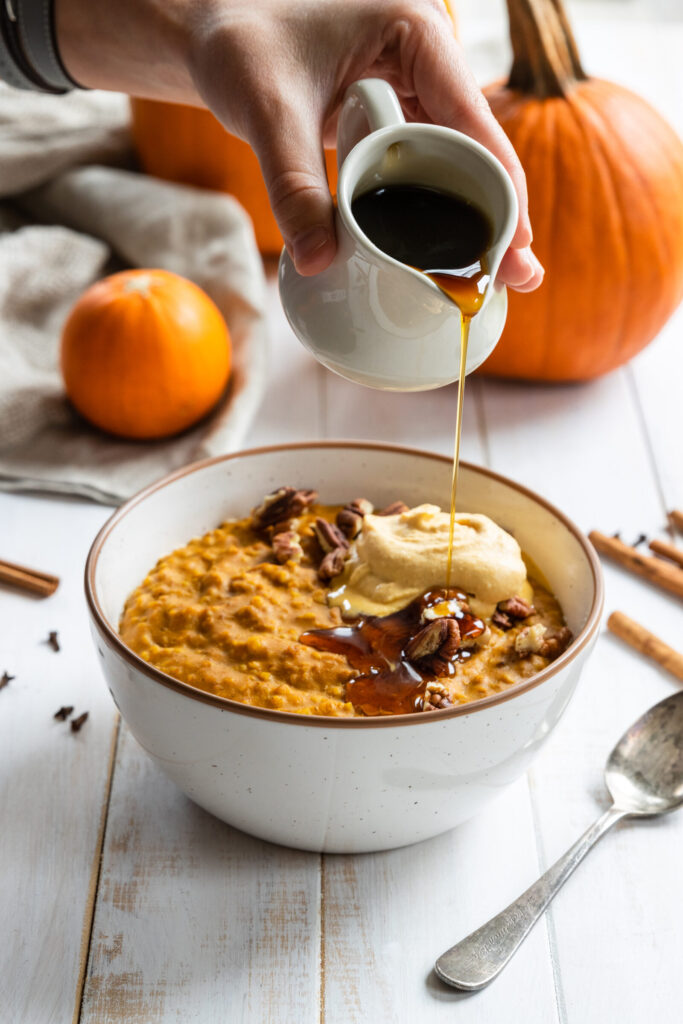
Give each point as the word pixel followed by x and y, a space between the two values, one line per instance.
pixel 339 785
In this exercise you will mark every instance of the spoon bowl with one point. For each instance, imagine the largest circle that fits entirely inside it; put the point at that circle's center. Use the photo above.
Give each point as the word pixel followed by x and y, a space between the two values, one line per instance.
pixel 644 772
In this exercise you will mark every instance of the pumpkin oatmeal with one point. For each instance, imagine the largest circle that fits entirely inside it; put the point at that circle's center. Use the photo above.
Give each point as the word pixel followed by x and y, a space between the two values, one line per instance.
pixel 324 610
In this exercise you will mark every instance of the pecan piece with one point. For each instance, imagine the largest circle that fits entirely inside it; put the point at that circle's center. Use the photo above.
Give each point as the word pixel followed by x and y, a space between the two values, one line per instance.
pixel 444 609
pixel 530 640
pixel 435 698
pixel 362 506
pixel 516 608
pixel 286 547
pixel 329 536
pixel 281 505
pixel 283 526
pixel 349 522
pixel 332 564
pixel 501 620
pixel 476 639
pixel 555 644
pixel 394 509
pixel 435 645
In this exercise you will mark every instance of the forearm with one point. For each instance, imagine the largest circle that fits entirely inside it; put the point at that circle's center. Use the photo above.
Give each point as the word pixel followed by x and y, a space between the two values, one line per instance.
pixel 129 46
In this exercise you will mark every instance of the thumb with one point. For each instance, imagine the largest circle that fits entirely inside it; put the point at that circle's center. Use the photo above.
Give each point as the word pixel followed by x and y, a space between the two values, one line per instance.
pixel 291 156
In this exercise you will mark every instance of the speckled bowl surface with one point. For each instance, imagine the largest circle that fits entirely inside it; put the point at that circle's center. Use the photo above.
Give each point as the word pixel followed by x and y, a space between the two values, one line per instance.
pixel 338 785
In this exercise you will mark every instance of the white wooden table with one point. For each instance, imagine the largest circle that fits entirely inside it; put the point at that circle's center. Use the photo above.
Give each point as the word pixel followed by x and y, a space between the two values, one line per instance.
pixel 120 900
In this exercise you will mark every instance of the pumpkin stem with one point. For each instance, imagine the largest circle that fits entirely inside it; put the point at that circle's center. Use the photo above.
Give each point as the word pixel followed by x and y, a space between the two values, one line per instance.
pixel 545 56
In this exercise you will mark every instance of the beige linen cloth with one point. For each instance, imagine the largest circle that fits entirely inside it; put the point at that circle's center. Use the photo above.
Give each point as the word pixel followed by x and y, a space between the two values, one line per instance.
pixel 73 208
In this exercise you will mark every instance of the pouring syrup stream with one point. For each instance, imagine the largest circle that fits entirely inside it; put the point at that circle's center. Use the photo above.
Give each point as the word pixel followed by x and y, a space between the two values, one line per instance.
pixel 468 293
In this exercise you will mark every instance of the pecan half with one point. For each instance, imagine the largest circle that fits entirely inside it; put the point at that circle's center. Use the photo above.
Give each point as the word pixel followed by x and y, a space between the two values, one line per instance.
pixel 516 608
pixel 436 698
pixel 286 547
pixel 332 564
pixel 329 536
pixel 349 522
pixel 530 640
pixel 394 509
pixel 435 646
pixel 281 505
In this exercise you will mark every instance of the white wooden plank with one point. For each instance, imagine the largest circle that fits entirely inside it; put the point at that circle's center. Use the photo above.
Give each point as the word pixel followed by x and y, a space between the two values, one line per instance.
pixel 388 916
pixel 657 376
pixel 53 783
pixel 196 921
pixel 585 449
pixel 615 927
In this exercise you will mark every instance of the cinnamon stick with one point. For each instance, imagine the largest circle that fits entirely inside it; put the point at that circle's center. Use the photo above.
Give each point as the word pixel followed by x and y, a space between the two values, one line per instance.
pixel 645 642
pixel 666 550
pixel 676 519
pixel 29 580
pixel 654 570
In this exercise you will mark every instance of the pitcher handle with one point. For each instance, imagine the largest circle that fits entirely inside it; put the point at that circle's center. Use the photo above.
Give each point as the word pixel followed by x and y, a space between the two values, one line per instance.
pixel 370 103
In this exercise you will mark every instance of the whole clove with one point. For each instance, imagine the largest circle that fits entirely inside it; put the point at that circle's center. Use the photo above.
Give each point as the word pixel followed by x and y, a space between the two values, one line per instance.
pixel 53 640
pixel 5 678
pixel 640 539
pixel 78 722
pixel 63 713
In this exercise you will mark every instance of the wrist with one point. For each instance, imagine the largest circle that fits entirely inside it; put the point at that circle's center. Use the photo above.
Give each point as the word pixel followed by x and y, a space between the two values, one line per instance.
pixel 135 46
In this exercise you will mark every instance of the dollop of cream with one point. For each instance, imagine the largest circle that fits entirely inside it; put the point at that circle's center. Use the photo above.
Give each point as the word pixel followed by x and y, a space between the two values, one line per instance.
pixel 397 558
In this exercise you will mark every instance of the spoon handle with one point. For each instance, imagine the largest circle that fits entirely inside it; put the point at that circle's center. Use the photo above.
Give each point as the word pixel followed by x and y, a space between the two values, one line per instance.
pixel 478 959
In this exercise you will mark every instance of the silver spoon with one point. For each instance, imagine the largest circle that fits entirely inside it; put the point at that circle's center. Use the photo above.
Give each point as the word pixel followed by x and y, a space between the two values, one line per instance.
pixel 644 775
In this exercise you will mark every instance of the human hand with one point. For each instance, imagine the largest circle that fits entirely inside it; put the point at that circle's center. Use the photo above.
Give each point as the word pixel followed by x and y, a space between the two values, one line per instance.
pixel 274 72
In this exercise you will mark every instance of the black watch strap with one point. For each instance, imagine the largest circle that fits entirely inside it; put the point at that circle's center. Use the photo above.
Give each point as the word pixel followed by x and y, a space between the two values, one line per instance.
pixel 14 69
pixel 35 21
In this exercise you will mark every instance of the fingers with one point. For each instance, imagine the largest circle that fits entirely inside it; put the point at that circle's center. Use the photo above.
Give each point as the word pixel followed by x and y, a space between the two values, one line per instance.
pixel 290 152
pixel 519 269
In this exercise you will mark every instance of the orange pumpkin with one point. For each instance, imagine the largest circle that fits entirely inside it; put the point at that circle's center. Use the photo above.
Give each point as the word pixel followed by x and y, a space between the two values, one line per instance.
pixel 605 179
pixel 144 354
pixel 189 145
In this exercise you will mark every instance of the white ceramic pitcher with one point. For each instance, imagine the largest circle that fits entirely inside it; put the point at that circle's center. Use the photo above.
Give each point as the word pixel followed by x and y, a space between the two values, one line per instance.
pixel 368 317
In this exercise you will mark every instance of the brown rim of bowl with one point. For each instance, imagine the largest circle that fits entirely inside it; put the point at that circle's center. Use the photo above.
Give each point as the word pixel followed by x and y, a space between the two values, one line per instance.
pixel 112 639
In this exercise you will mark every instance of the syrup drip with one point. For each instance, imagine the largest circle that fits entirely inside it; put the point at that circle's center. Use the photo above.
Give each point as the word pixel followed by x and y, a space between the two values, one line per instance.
pixel 388 684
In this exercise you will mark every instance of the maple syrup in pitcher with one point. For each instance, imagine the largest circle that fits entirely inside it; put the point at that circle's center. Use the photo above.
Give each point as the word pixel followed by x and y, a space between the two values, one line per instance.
pixel 447 238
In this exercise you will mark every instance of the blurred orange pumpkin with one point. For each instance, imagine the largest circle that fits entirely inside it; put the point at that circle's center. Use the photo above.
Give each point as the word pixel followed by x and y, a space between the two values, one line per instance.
pixel 189 145
pixel 145 354
pixel 605 180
